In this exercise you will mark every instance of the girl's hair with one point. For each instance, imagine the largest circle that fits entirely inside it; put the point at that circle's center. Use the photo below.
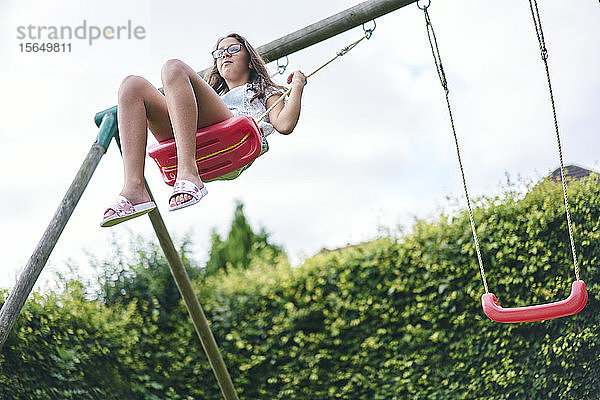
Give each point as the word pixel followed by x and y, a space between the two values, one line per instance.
pixel 259 76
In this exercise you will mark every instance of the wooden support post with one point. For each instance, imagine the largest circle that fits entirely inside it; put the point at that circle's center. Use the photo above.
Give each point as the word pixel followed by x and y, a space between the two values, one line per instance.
pixel 16 299
pixel 329 27
pixel 192 304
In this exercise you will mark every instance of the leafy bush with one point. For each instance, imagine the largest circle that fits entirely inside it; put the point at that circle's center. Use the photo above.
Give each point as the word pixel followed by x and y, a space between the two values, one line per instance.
pixel 65 347
pixel 389 319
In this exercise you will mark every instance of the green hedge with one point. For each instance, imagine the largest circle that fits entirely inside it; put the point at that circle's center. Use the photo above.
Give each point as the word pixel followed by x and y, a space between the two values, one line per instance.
pixel 389 319
pixel 64 347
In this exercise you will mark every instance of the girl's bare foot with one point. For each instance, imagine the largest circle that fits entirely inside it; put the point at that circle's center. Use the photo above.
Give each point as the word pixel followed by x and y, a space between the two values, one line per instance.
pixel 182 198
pixel 134 196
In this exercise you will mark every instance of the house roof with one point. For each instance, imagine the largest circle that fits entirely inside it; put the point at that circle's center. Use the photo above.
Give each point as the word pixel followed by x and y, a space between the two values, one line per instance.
pixel 571 172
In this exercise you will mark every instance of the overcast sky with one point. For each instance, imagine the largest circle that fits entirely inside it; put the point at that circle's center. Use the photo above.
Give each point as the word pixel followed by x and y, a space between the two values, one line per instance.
pixel 373 148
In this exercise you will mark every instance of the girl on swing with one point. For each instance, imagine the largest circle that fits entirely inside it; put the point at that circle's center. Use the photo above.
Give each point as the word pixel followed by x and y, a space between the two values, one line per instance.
pixel 238 83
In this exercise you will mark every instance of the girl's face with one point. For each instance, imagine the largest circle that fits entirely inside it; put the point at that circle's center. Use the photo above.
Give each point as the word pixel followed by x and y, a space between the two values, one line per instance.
pixel 233 67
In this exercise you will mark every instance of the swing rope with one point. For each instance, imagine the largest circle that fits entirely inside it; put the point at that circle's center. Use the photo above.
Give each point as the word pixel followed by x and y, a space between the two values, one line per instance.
pixel 440 70
pixel 367 35
pixel 540 35
pixel 444 83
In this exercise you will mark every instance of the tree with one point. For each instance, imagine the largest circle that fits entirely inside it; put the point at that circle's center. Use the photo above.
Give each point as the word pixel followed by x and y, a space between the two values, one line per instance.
pixel 241 246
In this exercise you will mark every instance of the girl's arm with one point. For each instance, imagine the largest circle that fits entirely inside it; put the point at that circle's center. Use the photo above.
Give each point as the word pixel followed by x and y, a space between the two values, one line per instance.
pixel 285 117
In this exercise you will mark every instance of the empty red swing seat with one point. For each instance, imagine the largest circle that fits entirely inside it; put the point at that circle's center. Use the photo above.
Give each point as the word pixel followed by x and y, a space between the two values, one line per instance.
pixel 220 149
pixel 571 305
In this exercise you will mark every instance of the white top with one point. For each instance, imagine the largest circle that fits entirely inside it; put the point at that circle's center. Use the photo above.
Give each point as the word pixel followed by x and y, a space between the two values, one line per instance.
pixel 238 100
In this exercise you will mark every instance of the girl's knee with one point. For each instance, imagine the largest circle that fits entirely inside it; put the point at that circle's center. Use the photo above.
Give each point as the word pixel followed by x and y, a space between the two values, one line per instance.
pixel 173 68
pixel 132 85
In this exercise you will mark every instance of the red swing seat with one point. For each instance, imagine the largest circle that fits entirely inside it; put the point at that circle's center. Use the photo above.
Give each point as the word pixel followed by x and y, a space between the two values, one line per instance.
pixel 571 305
pixel 220 149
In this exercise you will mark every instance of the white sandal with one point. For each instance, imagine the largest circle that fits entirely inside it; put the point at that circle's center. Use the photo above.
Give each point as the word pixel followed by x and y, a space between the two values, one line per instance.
pixel 189 188
pixel 124 210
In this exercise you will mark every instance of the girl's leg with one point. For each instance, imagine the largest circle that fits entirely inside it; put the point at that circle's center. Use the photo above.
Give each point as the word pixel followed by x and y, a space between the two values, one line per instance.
pixel 192 104
pixel 141 106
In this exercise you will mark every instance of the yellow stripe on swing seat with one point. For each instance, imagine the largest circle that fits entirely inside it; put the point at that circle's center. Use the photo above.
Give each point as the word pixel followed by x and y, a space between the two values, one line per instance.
pixel 216 152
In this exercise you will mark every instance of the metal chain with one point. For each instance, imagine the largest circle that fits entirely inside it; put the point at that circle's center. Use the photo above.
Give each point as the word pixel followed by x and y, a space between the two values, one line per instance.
pixel 440 70
pixel 544 52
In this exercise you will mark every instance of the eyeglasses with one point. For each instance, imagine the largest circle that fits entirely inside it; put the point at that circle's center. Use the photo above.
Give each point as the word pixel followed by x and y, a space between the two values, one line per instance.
pixel 231 49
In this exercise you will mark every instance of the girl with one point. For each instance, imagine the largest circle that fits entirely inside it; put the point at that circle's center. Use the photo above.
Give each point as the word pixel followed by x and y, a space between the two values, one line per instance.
pixel 238 83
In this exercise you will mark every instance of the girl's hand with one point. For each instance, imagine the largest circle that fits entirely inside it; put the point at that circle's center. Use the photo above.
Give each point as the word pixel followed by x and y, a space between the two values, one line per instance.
pixel 297 78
